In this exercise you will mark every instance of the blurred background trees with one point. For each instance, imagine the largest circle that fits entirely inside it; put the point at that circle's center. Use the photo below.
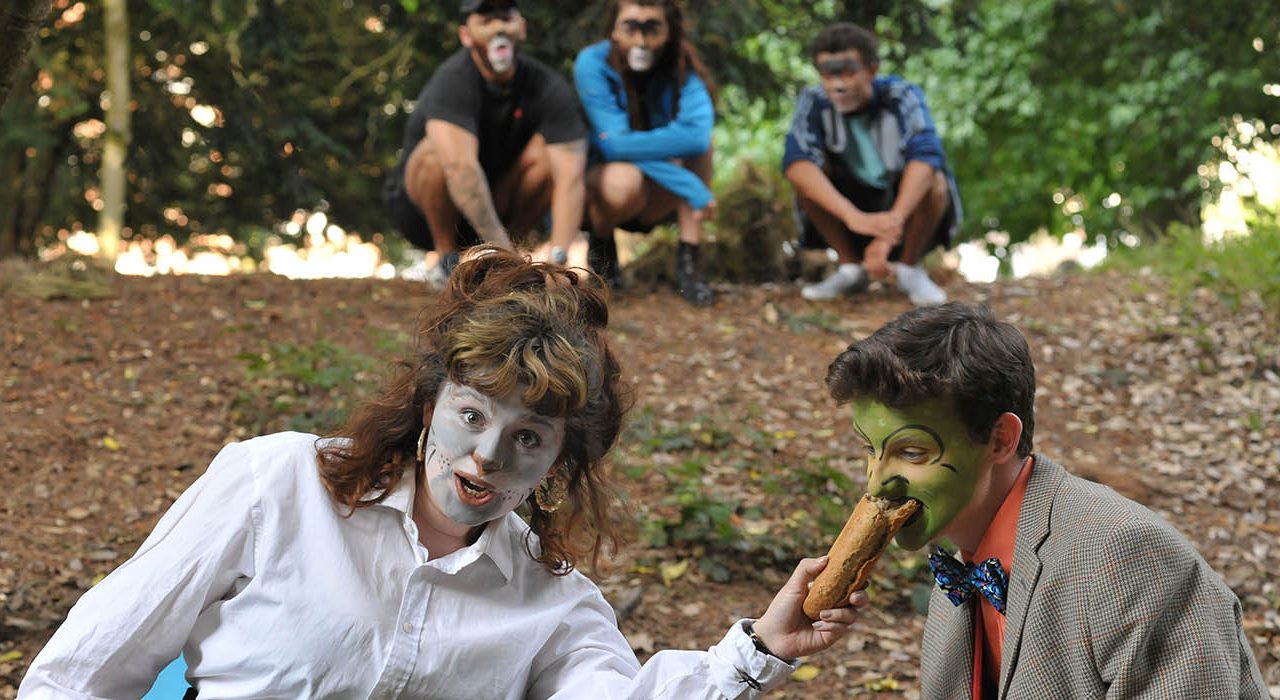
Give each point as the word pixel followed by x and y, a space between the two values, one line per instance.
pixel 19 22
pixel 1056 114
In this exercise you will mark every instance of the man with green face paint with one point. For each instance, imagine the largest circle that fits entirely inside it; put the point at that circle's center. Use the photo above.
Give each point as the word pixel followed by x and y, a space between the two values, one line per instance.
pixel 1076 590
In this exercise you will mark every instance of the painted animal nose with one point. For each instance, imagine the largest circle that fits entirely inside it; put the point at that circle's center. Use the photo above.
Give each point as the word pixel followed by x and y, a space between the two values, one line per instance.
pixel 487 456
pixel 486 465
pixel 891 486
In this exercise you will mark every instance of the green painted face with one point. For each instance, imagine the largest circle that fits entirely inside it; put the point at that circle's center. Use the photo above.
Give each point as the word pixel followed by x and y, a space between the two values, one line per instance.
pixel 922 452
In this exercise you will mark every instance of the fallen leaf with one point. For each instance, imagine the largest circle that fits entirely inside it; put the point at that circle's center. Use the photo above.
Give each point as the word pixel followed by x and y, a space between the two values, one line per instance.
pixel 806 672
pixel 110 443
pixel 671 572
pixel 881 684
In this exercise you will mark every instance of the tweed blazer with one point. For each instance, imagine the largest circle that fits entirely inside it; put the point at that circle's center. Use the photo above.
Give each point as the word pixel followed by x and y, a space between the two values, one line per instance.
pixel 1106 600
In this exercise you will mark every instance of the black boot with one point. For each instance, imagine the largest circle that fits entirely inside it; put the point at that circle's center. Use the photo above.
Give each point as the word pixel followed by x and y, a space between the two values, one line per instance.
pixel 689 280
pixel 602 256
pixel 450 260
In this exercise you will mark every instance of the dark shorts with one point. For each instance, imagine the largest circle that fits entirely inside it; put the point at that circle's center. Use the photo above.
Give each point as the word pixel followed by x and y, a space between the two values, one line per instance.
pixel 634 225
pixel 410 222
pixel 869 199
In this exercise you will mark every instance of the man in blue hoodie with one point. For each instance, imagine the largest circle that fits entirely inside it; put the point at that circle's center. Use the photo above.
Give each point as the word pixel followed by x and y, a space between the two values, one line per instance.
pixel 648 100
pixel 870 176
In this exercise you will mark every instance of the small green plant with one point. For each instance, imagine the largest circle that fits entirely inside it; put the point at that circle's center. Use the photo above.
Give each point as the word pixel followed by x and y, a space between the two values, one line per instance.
pixel 647 435
pixel 309 388
pixel 693 517
pixel 745 242
pixel 818 319
pixel 1231 268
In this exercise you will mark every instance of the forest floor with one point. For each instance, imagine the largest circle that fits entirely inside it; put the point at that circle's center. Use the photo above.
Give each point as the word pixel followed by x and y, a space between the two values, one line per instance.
pixel 737 460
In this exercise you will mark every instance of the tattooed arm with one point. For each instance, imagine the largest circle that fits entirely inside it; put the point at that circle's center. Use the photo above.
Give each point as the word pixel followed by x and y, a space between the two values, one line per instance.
pixel 459 152
pixel 568 161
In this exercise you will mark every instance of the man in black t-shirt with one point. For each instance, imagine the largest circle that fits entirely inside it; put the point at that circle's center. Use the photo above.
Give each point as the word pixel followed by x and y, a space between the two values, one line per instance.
pixel 495 140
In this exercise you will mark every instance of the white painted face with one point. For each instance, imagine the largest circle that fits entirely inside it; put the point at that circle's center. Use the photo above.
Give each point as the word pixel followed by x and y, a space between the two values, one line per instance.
pixel 501 52
pixel 640 33
pixel 640 59
pixel 484 455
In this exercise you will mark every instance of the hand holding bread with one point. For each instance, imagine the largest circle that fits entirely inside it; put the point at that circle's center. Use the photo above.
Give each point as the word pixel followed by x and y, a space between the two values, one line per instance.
pixel 785 629
pixel 856 550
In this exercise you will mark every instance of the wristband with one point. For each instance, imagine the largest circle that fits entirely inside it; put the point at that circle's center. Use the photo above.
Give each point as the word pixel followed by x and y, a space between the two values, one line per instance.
pixel 748 627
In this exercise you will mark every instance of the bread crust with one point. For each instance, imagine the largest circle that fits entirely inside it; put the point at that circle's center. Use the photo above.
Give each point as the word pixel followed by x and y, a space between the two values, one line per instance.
pixel 865 536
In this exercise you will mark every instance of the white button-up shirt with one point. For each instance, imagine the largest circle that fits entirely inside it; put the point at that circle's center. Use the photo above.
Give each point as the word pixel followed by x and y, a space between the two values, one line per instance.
pixel 256 576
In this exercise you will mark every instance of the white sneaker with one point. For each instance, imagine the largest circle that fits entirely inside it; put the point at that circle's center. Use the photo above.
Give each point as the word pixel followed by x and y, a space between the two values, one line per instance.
pixel 848 278
pixel 915 282
pixel 434 276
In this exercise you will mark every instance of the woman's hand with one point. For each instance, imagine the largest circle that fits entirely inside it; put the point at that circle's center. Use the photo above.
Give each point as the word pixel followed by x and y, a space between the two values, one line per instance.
pixel 786 630
pixel 706 213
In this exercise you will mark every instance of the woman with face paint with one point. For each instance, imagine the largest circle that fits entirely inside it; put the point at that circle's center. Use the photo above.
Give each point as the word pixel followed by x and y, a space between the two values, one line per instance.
pixel 429 548
pixel 1066 588
pixel 649 101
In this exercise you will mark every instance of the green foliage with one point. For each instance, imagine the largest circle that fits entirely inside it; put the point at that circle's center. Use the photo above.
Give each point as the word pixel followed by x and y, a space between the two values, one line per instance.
pixel 310 388
pixel 1079 100
pixel 1075 99
pixel 1232 268
pixel 712 510
pixel 819 318
pixel 309 98
pixel 747 240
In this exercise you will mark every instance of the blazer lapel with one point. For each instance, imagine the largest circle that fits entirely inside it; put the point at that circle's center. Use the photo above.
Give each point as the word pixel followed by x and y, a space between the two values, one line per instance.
pixel 1024 572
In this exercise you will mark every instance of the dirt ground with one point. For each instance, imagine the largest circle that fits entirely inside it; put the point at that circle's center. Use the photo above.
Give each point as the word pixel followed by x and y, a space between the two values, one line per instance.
pixel 110 407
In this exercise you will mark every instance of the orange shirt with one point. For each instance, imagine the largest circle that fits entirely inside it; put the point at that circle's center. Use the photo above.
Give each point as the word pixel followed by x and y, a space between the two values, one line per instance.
pixel 998 542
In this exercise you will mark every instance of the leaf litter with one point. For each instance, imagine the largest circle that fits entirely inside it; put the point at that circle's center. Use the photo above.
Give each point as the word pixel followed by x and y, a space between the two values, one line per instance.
pixel 111 406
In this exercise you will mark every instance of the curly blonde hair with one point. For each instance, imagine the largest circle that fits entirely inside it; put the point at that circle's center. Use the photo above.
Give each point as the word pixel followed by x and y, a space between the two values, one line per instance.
pixel 504 322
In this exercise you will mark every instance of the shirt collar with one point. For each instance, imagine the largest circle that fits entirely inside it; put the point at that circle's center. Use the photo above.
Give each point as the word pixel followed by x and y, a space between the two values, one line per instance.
pixel 999 539
pixel 496 542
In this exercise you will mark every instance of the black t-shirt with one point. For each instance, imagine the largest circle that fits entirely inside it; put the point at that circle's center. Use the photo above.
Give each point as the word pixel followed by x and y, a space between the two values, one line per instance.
pixel 503 119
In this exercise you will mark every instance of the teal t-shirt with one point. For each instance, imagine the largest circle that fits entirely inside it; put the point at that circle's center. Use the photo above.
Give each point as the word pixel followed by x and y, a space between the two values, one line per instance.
pixel 861 155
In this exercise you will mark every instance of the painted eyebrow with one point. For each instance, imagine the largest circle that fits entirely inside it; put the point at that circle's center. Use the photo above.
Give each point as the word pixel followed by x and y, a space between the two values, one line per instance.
pixel 942 446
pixel 465 392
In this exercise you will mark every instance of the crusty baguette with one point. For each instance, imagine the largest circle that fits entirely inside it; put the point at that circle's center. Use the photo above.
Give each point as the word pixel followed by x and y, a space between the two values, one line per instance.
pixel 864 538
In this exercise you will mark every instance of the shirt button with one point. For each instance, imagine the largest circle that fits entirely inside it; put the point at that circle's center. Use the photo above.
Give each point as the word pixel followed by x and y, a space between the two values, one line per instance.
pixel 408 627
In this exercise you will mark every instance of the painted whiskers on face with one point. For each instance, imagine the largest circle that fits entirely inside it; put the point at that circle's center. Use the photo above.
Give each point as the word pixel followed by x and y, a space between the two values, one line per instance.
pixel 476 493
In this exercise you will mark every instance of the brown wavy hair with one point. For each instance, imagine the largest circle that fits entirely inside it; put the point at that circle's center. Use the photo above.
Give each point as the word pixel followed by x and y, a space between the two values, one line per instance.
pixel 957 352
pixel 503 322
pixel 673 63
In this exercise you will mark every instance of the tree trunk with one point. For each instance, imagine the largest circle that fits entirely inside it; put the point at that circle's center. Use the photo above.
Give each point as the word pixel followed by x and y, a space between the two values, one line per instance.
pixel 118 134
pixel 18 25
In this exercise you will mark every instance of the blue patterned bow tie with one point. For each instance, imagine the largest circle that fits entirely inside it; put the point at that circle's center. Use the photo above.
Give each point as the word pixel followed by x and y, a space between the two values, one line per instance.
pixel 959 580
